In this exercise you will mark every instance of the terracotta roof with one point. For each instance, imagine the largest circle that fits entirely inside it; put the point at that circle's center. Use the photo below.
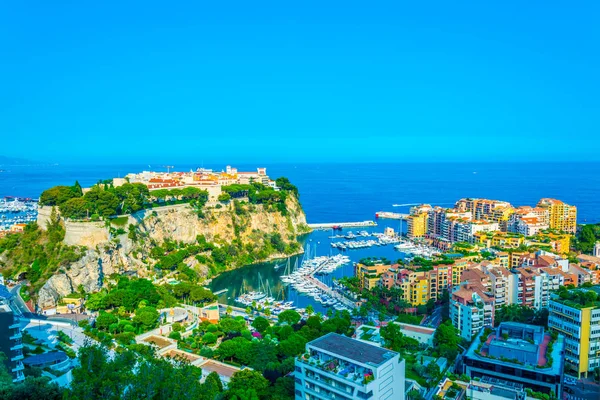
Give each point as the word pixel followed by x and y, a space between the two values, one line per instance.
pixel 585 257
pixel 473 275
pixel 466 293
pixel 547 260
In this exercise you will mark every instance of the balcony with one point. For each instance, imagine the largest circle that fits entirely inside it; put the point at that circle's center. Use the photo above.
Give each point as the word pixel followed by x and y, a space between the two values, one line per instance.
pixel 20 377
pixel 17 347
pixel 329 382
pixel 350 372
pixel 17 358
pixel 320 393
pixel 19 367
pixel 16 336
pixel 15 325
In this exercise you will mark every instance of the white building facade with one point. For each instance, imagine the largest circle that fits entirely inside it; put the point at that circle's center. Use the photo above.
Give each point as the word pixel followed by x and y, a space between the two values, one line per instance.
pixel 338 367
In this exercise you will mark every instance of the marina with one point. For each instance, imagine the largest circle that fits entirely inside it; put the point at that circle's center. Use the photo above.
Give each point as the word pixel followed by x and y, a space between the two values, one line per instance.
pixel 17 210
pixel 273 287
pixel 414 249
pixel 302 280
pixel 354 240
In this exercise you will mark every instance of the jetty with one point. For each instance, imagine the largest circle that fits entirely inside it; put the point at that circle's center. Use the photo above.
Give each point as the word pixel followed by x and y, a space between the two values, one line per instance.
pixel 391 215
pixel 333 225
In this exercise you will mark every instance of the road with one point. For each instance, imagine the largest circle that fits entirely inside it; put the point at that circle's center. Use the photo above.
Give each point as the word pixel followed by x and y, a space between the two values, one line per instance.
pixel 20 309
pixel 583 390
pixel 19 306
pixel 435 319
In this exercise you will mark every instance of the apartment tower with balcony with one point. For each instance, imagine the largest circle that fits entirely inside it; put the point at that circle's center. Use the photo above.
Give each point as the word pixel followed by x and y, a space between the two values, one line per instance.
pixel 10 337
pixel 338 367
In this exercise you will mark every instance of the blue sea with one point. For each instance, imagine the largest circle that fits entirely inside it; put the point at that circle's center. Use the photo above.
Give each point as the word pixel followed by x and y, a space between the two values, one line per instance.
pixel 354 192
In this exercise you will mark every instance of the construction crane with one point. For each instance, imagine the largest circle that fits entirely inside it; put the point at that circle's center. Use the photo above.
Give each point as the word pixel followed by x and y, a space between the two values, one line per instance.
pixel 168 167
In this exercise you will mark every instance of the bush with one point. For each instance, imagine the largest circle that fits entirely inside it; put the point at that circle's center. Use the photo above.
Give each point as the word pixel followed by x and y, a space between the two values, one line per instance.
pixel 209 338
pixel 223 197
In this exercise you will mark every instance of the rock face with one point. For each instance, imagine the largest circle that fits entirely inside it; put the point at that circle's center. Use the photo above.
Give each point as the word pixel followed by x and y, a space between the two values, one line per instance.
pixel 88 234
pixel 180 222
pixel 118 254
pixel 90 272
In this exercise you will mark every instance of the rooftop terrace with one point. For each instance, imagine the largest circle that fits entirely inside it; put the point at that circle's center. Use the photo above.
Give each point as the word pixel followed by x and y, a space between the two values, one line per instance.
pixel 516 350
pixel 352 349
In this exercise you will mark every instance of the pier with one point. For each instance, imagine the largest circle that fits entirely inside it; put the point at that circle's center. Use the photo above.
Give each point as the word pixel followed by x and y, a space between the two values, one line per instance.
pixel 330 225
pixel 331 292
pixel 391 215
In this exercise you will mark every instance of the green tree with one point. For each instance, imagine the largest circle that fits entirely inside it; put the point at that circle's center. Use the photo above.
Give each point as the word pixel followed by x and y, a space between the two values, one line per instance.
pixel 289 317
pixel 75 208
pixel 95 301
pixel 246 378
pixel 146 318
pixel 224 197
pixel 229 325
pixel 292 346
pixel 127 376
pixel 209 338
pixel 235 348
pixel 212 386
pixel 310 310
pixel 58 195
pixel 105 320
pixel 260 324
pixel 446 340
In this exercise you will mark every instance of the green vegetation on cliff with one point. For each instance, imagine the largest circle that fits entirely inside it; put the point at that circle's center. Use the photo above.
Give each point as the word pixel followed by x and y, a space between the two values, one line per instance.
pixel 259 226
pixel 36 254
pixel 221 256
pixel 258 193
pixel 105 200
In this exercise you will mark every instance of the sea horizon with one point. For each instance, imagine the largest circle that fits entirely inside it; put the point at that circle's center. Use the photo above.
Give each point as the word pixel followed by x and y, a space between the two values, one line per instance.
pixel 354 191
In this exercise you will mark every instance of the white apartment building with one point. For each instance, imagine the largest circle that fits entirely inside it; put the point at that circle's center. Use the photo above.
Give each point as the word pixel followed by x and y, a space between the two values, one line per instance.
pixel 529 226
pixel 471 310
pixel 338 367
pixel 503 285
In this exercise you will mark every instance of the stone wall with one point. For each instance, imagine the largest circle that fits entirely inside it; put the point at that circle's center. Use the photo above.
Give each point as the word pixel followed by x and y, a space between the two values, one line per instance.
pixel 89 234
pixel 43 216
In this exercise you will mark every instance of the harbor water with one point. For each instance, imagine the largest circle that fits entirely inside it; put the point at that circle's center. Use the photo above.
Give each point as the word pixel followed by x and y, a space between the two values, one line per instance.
pixel 265 277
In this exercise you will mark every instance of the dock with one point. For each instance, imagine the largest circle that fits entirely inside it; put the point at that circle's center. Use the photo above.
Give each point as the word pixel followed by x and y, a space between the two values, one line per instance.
pixel 391 215
pixel 331 292
pixel 330 225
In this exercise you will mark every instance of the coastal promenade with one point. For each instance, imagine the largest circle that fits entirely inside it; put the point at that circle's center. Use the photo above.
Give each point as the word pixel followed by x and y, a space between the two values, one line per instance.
pixel 329 225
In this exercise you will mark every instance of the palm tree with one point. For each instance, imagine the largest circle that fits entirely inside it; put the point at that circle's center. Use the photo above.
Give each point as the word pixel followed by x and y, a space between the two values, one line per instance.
pixel 229 310
pixel 248 310
pixel 268 312
pixel 310 310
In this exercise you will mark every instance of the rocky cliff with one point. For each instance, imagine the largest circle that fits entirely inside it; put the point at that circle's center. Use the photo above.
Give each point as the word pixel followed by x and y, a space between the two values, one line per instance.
pixel 126 253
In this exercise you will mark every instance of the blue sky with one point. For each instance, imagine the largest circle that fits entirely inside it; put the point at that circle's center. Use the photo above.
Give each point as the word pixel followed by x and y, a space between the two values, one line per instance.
pixel 310 81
